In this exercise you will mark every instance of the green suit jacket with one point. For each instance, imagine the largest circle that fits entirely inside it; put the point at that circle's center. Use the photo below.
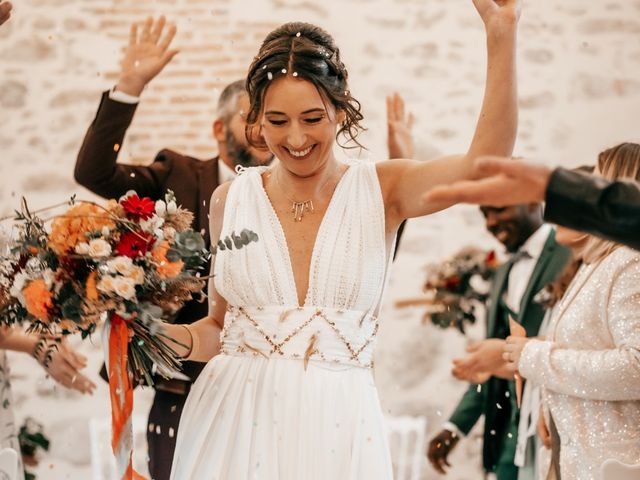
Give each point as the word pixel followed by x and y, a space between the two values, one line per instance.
pixel 483 399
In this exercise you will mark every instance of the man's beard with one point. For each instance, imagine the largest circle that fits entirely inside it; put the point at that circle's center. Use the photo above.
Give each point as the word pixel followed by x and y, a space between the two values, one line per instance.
pixel 238 153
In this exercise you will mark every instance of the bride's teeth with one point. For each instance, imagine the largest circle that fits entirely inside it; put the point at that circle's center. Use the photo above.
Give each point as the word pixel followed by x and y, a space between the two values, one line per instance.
pixel 301 153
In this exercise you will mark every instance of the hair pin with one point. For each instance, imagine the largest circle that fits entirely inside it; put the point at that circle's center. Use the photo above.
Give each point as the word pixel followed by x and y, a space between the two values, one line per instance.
pixel 270 75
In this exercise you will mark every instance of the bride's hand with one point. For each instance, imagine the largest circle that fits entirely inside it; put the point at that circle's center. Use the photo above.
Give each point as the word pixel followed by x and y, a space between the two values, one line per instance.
pixel 498 14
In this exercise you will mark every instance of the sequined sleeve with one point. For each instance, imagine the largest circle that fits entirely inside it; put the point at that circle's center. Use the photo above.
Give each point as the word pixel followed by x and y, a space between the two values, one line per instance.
pixel 610 374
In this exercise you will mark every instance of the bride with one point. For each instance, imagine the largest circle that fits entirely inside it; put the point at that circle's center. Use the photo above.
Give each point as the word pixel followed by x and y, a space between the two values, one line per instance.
pixel 288 391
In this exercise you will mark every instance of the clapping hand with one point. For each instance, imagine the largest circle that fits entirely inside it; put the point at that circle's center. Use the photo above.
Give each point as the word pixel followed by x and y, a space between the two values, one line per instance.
pixel 63 364
pixel 5 11
pixel 483 361
pixel 146 55
pixel 513 347
pixel 399 125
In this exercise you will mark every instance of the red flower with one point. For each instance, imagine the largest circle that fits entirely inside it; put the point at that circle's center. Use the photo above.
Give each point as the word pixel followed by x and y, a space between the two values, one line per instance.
pixel 491 260
pixel 133 244
pixel 138 208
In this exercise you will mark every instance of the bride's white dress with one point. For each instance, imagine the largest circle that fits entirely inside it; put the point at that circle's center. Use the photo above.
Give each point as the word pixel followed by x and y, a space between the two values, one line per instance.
pixel 291 396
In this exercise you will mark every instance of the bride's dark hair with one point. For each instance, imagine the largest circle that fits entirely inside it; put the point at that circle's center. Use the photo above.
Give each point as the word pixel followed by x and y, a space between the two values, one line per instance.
pixel 306 52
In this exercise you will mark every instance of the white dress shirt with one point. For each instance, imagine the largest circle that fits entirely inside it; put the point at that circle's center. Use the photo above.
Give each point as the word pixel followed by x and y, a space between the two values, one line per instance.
pixel 523 268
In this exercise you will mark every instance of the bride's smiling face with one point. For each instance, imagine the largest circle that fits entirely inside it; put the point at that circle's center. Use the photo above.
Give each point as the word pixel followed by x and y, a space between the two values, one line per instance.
pixel 298 126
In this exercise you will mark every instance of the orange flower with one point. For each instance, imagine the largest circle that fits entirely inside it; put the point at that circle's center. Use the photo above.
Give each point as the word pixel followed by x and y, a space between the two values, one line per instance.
pixel 38 299
pixel 71 228
pixel 90 288
pixel 166 269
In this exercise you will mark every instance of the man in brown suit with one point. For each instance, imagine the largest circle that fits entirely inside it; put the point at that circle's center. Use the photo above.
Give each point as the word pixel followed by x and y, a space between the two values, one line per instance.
pixel 192 180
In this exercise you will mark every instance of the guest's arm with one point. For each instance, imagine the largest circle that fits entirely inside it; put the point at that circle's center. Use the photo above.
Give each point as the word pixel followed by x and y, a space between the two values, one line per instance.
pixel 594 205
pixel 400 142
pixel 96 168
pixel 573 199
pixel 609 375
pixel 64 363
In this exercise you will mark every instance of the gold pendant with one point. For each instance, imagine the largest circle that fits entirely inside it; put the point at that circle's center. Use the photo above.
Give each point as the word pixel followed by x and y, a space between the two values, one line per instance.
pixel 300 208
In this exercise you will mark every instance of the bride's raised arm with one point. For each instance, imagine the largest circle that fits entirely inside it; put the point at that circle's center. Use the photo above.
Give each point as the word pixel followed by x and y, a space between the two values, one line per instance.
pixel 404 181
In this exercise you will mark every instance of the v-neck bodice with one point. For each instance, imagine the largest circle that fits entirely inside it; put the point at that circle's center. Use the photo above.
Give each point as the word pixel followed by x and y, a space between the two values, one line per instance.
pixel 349 257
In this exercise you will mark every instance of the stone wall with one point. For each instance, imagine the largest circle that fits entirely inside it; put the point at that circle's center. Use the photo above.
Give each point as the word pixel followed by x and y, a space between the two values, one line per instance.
pixel 579 93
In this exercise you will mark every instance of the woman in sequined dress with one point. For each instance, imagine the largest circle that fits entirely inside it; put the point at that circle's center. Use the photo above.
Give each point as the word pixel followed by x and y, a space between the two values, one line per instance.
pixel 589 365
pixel 289 393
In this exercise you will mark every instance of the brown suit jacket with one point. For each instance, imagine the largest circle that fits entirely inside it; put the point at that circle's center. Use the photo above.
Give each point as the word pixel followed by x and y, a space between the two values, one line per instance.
pixel 192 180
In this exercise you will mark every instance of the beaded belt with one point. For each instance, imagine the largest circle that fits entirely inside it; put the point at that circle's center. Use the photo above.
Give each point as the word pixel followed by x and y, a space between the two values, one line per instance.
pixel 304 333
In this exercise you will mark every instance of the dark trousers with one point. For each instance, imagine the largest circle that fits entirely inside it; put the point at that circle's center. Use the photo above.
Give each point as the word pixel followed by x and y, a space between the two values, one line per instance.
pixel 506 471
pixel 162 432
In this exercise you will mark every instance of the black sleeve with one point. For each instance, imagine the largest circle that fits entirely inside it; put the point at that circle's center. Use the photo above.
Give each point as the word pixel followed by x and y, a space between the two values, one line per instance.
pixel 591 204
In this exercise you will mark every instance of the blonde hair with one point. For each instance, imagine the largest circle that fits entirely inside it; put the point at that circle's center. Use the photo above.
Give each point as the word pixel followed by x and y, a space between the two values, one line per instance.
pixel 619 162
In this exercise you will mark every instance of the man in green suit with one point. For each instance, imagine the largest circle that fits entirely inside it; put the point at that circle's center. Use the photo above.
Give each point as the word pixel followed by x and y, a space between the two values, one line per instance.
pixel 535 260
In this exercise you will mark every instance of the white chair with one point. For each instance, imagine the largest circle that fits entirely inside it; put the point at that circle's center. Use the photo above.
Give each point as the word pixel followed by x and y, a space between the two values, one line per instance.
pixel 615 470
pixel 407 440
pixel 103 463
pixel 8 464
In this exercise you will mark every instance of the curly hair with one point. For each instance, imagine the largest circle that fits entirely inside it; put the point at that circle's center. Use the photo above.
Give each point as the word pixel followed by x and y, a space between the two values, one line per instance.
pixel 307 52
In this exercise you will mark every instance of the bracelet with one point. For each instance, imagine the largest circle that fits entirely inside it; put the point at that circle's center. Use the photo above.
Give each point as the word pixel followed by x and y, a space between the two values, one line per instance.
pixel 188 354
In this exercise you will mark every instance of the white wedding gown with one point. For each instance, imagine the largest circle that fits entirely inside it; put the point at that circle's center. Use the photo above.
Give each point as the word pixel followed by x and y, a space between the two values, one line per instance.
pixel 259 410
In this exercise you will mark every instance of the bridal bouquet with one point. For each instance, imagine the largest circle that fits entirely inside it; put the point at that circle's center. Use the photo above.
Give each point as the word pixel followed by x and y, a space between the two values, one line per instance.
pixel 130 262
pixel 456 286
pixel 127 265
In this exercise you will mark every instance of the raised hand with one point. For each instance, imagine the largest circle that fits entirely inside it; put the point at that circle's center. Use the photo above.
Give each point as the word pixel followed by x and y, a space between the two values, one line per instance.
pixel 5 11
pixel 439 448
pixel 399 125
pixel 501 182
pixel 497 14
pixel 146 55
pixel 64 365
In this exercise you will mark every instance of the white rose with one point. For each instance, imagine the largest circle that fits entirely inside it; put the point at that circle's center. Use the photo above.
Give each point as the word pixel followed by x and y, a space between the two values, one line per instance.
pixel 161 208
pixel 106 284
pixel 121 265
pixel 124 287
pixel 151 224
pixel 18 284
pixel 82 248
pixel 172 207
pixel 159 234
pixel 137 275
pixel 105 231
pixel 99 248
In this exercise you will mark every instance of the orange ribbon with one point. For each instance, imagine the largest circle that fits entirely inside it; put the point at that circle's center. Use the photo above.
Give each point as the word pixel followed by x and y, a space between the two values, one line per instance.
pixel 121 393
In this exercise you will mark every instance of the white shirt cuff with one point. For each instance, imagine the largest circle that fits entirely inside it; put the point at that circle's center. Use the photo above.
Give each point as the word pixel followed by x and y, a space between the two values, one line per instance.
pixel 118 96
pixel 453 428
